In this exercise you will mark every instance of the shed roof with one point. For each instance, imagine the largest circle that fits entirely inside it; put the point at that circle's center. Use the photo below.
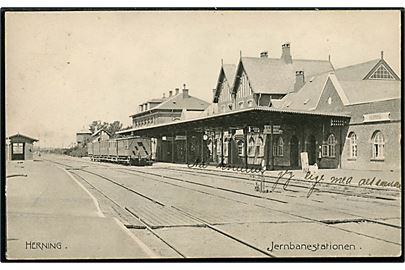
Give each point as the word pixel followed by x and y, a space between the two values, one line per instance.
pixel 18 135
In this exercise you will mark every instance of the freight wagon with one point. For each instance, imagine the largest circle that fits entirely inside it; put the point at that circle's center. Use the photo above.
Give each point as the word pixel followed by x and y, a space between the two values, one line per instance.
pixel 129 150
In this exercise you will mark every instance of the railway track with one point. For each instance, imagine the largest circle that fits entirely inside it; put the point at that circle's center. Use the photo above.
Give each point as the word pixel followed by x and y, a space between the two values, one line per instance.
pixel 159 177
pixel 180 211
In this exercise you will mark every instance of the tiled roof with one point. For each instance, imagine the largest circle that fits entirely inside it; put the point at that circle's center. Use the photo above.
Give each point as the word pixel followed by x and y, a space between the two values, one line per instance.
pixel 230 72
pixel 356 72
pixel 308 96
pixel 351 91
pixel 274 76
pixel 178 102
pixel 366 91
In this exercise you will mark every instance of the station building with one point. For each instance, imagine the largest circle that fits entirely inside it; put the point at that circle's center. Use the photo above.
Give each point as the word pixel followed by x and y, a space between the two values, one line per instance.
pixel 271 110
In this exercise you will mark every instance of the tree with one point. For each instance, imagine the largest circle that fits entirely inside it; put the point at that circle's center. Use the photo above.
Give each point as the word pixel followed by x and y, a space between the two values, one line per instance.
pixel 113 127
pixel 97 125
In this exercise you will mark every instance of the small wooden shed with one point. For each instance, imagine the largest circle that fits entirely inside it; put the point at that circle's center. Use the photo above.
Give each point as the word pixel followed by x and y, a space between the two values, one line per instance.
pixel 20 147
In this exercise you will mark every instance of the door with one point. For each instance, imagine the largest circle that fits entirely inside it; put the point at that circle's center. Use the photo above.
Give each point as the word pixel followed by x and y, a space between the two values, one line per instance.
pixel 311 150
pixel 294 152
pixel 17 151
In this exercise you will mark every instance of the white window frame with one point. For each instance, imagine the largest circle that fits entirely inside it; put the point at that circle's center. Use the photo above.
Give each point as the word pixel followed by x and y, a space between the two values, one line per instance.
pixel 353 145
pixel 377 145
pixel 278 148
pixel 329 147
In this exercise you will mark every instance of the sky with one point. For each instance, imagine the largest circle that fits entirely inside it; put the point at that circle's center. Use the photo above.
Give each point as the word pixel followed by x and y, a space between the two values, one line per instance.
pixel 66 69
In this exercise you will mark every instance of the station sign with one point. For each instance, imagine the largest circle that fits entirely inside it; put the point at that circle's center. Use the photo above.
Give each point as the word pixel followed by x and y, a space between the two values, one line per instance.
pixel 181 138
pixel 276 129
pixel 375 117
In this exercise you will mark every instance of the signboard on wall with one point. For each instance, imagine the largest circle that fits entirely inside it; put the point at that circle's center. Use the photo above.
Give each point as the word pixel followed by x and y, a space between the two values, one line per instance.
pixel 375 117
pixel 276 129
pixel 180 138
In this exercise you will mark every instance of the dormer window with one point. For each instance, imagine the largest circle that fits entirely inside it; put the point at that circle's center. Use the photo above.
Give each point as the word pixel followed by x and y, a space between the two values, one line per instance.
pixel 382 74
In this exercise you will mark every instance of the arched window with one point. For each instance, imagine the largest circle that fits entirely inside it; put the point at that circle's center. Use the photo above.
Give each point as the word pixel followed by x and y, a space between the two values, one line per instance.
pixel 378 145
pixel 329 147
pixel 241 148
pixel 353 145
pixel 251 146
pixel 260 146
pixel 278 148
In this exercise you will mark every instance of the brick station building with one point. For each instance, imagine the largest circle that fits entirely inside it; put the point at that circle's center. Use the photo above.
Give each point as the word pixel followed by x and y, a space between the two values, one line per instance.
pixel 273 109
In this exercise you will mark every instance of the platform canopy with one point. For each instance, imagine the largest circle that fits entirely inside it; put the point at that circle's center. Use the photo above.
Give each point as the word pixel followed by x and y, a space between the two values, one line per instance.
pixel 238 119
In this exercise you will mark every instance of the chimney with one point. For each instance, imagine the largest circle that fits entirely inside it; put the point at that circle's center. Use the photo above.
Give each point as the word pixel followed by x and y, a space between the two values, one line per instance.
pixel 185 91
pixel 299 80
pixel 286 54
pixel 164 96
pixel 382 54
pixel 170 93
pixel 177 90
pixel 264 54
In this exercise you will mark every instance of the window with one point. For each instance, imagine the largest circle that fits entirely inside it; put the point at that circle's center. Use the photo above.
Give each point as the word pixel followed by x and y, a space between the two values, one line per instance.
pixel 240 104
pixel 378 145
pixel 250 103
pixel 278 148
pixel 381 73
pixel 251 147
pixel 260 147
pixel 18 148
pixel 353 145
pixel 329 147
pixel 223 109
pixel 241 148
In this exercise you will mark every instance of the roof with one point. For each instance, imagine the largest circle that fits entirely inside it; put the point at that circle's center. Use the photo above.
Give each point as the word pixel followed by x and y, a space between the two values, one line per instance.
pixel 350 92
pixel 84 131
pixel 23 136
pixel 259 108
pixel 274 76
pixel 230 72
pixel 177 102
pixel 307 97
pixel 356 72
pixel 154 100
pixel 366 91
pixel 99 131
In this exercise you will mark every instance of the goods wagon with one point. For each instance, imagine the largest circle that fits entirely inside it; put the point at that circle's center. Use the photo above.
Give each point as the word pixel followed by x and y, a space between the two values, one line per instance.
pixel 129 150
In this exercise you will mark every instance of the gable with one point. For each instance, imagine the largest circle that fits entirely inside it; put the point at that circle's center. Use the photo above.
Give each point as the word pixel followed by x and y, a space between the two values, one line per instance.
pixel 381 71
pixel 244 89
pixel 330 99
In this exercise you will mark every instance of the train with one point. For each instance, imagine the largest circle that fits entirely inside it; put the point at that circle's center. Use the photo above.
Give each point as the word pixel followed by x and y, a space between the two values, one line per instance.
pixel 128 150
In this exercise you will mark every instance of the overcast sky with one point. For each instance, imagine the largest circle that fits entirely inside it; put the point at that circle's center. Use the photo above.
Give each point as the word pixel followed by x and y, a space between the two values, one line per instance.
pixel 65 69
